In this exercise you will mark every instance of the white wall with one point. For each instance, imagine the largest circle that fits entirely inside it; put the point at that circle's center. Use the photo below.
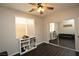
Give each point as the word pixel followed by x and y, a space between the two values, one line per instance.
pixel 71 13
pixel 1 34
pixel 7 29
pixel 39 30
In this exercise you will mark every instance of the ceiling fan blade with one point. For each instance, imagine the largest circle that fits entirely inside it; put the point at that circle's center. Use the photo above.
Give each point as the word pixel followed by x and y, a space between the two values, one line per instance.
pixel 32 4
pixel 39 3
pixel 51 8
pixel 31 10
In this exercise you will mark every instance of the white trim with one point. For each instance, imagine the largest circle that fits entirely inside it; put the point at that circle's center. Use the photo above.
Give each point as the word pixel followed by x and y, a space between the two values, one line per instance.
pixel 13 54
pixel 46 41
pixel 77 50
pixel 39 43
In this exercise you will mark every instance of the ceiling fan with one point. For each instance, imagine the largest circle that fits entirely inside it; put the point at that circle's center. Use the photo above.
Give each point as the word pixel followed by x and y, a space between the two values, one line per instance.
pixel 40 7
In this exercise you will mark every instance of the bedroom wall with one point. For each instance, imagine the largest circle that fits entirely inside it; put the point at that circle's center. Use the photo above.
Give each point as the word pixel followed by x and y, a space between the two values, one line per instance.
pixel 7 29
pixel 71 13
pixel 1 41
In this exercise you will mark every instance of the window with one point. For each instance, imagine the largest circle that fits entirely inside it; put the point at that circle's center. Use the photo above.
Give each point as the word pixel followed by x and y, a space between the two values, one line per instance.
pixel 24 26
pixel 21 27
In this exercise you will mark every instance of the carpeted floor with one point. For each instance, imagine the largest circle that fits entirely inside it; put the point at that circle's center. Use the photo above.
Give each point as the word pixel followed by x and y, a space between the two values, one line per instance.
pixel 70 43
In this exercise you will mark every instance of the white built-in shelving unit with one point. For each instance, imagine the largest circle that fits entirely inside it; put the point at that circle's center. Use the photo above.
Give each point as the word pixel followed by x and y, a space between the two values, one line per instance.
pixel 27 44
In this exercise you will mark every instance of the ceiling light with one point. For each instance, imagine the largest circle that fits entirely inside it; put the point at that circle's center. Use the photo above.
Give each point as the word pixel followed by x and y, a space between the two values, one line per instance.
pixel 40 9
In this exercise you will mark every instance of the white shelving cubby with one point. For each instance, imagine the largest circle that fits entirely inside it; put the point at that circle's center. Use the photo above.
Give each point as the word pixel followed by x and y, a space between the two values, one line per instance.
pixel 27 45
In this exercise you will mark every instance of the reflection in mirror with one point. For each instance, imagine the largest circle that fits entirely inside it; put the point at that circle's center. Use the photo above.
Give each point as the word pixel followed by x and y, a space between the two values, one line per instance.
pixel 53 34
pixel 63 33
pixel 67 34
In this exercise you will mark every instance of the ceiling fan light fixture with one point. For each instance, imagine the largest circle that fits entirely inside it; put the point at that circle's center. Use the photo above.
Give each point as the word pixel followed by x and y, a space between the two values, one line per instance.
pixel 40 9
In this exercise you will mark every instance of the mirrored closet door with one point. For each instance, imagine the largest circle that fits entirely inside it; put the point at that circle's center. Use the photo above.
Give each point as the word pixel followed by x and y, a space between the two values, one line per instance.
pixel 63 33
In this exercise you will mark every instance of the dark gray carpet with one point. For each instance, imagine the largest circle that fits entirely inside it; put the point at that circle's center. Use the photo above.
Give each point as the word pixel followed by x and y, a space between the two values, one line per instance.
pixel 70 43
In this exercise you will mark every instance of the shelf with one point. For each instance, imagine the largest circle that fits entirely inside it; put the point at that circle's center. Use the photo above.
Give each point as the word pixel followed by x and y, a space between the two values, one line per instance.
pixel 24 45
pixel 25 41
pixel 33 43
pixel 27 45
pixel 28 50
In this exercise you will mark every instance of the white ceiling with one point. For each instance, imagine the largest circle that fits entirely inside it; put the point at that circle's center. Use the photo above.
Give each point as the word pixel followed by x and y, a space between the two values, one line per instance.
pixel 25 7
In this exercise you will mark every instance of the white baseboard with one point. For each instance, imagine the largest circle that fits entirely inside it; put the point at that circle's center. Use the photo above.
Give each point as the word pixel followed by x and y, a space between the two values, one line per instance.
pixel 46 41
pixel 77 50
pixel 13 54
pixel 39 43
